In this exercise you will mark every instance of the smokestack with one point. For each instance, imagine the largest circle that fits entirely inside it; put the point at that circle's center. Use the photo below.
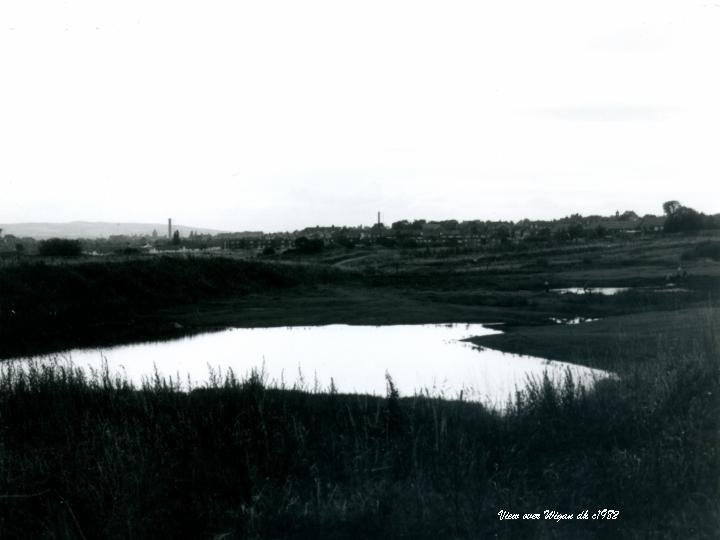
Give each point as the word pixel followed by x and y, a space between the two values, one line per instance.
pixel 379 218
pixel 169 228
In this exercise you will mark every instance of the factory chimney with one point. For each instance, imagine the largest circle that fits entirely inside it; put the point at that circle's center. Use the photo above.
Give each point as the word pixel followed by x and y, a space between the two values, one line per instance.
pixel 169 228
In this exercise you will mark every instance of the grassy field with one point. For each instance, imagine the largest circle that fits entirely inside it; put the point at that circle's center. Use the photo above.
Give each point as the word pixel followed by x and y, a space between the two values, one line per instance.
pixel 84 457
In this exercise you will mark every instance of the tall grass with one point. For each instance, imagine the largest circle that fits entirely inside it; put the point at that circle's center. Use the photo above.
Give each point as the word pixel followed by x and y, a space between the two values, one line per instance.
pixel 88 455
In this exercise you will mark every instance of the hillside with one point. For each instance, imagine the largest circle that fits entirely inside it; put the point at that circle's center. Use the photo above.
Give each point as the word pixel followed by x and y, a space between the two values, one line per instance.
pixel 99 229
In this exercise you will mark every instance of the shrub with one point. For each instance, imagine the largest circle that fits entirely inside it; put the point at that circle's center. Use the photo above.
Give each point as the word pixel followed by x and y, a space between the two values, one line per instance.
pixel 308 245
pixel 703 250
pixel 59 247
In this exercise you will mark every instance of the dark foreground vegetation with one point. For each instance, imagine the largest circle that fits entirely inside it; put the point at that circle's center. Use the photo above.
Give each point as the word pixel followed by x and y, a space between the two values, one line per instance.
pixel 91 457
pixel 50 304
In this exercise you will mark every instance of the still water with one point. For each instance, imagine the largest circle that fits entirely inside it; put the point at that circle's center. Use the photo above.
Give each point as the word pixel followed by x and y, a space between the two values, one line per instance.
pixel 419 358
pixel 606 291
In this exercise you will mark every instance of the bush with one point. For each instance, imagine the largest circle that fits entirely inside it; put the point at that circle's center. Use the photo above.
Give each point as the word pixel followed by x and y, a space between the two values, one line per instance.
pixel 703 250
pixel 59 247
pixel 308 245
pixel 96 301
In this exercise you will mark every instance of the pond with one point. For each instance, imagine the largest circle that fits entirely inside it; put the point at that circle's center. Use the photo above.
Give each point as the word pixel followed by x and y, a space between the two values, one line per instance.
pixel 429 359
pixel 607 291
pixel 573 320
pixel 611 291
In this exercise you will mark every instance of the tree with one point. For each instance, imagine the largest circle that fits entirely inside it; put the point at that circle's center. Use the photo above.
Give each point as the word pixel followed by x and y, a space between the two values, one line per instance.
pixel 307 245
pixel 502 234
pixel 670 207
pixel 681 218
pixel 449 224
pixel 59 247
pixel 575 230
pixel 176 238
pixel 418 224
pixel 400 225
pixel 541 235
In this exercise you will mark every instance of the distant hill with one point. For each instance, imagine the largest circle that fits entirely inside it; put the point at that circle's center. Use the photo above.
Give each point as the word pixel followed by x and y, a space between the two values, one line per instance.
pixel 100 229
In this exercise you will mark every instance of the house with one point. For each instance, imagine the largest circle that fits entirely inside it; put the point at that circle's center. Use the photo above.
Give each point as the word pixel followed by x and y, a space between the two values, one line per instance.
pixel 652 224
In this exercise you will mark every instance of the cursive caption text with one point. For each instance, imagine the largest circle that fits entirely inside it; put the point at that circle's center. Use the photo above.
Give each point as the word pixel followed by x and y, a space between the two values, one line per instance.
pixel 554 515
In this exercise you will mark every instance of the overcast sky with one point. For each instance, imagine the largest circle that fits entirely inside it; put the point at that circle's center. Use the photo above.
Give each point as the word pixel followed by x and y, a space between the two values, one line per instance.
pixel 279 115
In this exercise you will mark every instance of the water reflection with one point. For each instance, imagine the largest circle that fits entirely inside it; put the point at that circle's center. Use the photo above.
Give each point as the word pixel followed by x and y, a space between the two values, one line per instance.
pixel 419 358
pixel 574 320
pixel 607 291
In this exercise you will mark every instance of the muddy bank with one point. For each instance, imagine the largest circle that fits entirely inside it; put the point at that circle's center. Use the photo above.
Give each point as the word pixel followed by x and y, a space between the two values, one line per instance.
pixel 614 343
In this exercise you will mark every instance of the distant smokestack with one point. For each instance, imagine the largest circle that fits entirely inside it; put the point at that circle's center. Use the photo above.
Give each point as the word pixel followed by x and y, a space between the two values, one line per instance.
pixel 379 218
pixel 169 228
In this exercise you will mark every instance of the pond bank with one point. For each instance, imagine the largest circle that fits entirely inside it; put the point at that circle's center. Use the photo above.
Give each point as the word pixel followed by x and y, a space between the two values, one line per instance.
pixel 613 343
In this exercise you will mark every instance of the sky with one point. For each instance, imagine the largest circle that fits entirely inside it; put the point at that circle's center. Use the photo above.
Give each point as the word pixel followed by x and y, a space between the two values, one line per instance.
pixel 268 115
